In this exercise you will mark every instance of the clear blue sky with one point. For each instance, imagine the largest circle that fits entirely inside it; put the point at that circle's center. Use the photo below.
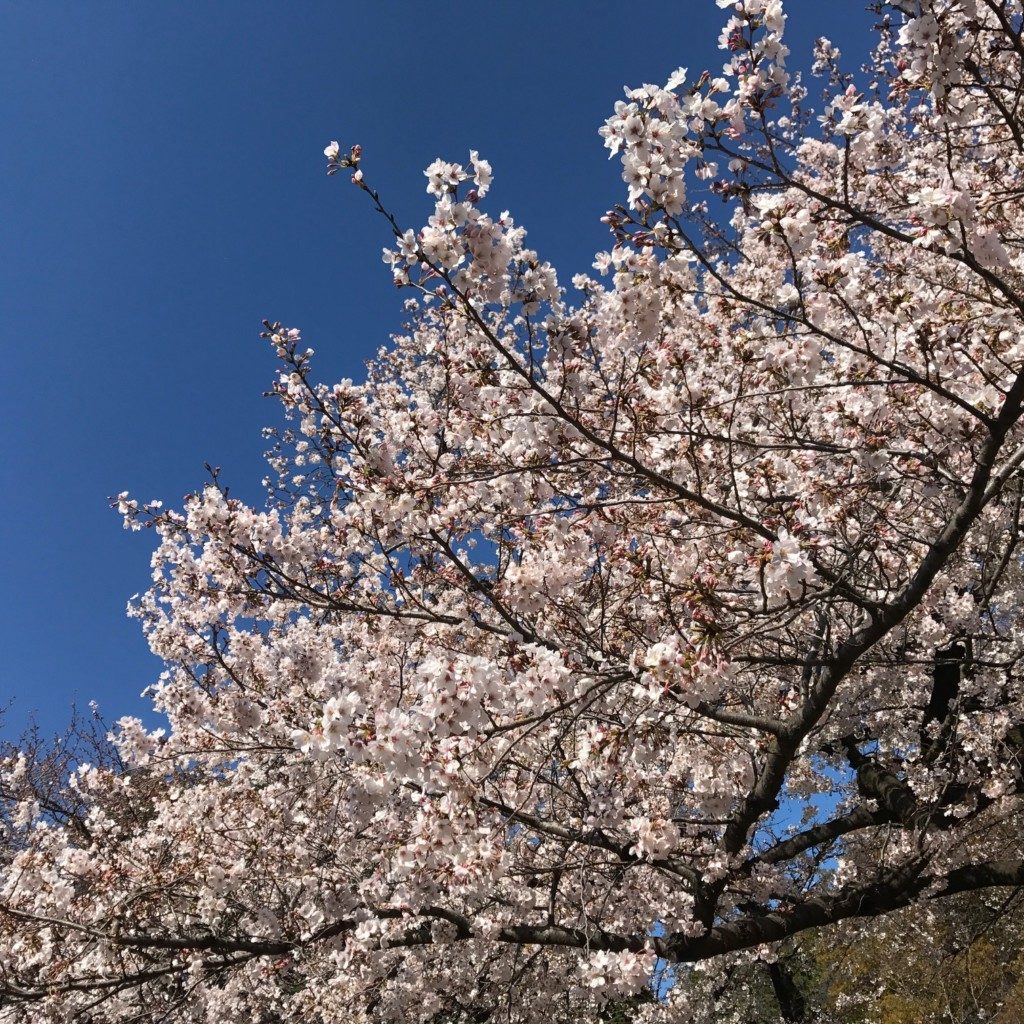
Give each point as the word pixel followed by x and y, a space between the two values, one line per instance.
pixel 162 190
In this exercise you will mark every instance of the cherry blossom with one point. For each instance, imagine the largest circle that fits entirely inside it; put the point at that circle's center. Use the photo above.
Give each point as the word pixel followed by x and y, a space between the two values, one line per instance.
pixel 658 622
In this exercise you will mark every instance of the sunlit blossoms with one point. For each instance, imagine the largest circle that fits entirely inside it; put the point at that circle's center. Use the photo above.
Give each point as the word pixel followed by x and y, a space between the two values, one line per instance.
pixel 654 622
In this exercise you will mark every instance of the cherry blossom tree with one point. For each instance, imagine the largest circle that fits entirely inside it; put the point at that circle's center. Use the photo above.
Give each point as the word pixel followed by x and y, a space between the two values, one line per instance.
pixel 606 637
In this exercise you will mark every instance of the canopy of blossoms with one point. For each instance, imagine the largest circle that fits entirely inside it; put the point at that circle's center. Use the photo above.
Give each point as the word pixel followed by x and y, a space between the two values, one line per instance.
pixel 649 618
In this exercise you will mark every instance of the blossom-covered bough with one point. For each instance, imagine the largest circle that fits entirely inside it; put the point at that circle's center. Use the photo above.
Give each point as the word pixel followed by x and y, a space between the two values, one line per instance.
pixel 652 622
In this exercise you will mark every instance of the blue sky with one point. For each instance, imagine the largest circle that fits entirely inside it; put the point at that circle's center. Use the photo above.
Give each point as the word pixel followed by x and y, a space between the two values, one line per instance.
pixel 162 190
